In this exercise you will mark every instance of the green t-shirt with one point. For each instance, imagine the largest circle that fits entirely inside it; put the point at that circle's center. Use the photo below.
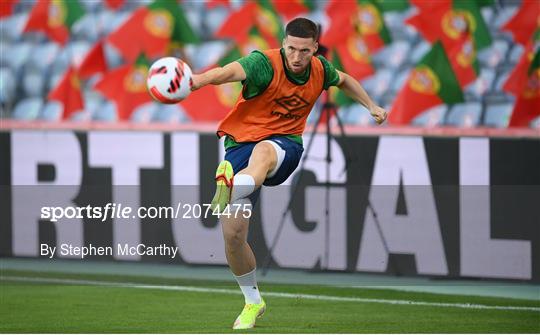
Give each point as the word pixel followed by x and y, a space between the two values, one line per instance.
pixel 259 74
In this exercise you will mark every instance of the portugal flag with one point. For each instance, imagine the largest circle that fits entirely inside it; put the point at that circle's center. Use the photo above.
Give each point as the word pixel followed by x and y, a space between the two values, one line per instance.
pixel 432 82
pixel 363 16
pixel 293 8
pixel 126 86
pixel 151 29
pixel 238 24
pixel 213 102
pixel 353 57
pixel 462 55
pixel 6 7
pixel 448 20
pixel 54 18
pixel 94 61
pixel 525 22
pixel 262 15
pixel 524 83
pixel 68 92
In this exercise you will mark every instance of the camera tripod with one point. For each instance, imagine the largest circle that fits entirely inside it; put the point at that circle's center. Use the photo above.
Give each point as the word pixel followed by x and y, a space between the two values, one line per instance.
pixel 328 109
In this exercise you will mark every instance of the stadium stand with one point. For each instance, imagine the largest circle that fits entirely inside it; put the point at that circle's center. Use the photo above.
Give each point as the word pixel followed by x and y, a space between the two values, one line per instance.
pixel 31 65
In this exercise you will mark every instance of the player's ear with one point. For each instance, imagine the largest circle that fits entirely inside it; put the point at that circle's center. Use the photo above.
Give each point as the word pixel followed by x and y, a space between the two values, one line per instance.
pixel 316 46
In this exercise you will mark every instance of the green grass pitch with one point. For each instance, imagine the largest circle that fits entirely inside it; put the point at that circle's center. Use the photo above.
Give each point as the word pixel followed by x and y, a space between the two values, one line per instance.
pixel 154 306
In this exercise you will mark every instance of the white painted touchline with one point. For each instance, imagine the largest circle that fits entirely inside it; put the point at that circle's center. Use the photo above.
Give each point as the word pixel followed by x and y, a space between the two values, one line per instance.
pixel 268 294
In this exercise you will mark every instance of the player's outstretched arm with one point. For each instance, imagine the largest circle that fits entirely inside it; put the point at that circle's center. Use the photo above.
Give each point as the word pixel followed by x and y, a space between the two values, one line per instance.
pixel 219 75
pixel 353 89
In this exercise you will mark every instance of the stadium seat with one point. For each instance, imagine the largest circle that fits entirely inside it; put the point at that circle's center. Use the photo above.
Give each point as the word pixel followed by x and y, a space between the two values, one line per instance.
pixel 498 115
pixel 171 114
pixel 106 113
pixel 465 114
pixel 8 86
pixel 144 112
pixel 205 54
pixel 52 111
pixel 487 14
pixel 27 109
pixel 92 6
pixel 43 56
pixel 495 54
pixel 113 57
pixel 92 101
pixel 11 27
pixel 73 53
pixel 419 51
pixel 515 53
pixel 87 27
pixel 399 31
pixel 399 80
pixel 502 16
pixel 431 117
pixel 502 76
pixel 215 18
pixel 535 123
pixel 482 84
pixel 394 55
pixel 4 45
pixel 357 114
pixel 109 20
pixel 18 54
pixel 33 83
pixel 378 84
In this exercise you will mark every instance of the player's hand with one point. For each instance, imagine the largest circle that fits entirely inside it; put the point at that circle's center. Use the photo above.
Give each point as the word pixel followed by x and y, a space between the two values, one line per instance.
pixel 378 113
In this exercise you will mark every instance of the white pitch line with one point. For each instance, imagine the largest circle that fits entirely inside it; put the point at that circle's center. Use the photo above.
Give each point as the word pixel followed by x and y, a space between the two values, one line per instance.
pixel 268 294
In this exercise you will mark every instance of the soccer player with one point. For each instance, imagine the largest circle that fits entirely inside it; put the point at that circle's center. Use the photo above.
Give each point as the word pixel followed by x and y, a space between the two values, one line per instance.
pixel 263 135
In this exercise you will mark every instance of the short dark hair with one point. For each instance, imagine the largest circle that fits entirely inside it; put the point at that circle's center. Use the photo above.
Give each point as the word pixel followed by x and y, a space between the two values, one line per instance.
pixel 302 27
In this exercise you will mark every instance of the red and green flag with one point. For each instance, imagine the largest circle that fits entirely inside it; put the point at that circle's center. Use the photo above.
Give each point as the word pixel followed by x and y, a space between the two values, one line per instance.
pixel 518 77
pixel 239 23
pixel 68 92
pixel 151 30
pixel 260 14
pixel 363 16
pixel 353 57
pixel 524 84
pixel 54 18
pixel 253 41
pixel 94 62
pixel 336 95
pixel 527 105
pixel 447 20
pixel 114 4
pixel 292 8
pixel 525 22
pixel 126 87
pixel 393 5
pixel 269 23
pixel 432 82
pixel 211 4
pixel 462 56
pixel 212 102
pixel 6 7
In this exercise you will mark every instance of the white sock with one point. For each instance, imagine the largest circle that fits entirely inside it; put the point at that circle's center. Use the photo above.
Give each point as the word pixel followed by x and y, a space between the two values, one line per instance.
pixel 244 185
pixel 248 285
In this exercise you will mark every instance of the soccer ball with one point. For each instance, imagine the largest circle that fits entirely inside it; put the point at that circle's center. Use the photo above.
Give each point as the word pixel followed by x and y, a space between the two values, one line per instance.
pixel 169 80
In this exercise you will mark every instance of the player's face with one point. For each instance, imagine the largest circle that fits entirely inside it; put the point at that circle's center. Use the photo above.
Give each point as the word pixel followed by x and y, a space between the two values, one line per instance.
pixel 298 52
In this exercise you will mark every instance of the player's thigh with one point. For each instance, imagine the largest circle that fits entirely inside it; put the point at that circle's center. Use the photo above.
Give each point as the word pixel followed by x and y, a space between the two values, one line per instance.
pixel 263 154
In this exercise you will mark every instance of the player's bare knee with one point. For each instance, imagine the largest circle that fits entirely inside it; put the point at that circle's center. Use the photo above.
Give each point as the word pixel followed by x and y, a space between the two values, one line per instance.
pixel 265 153
pixel 234 237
